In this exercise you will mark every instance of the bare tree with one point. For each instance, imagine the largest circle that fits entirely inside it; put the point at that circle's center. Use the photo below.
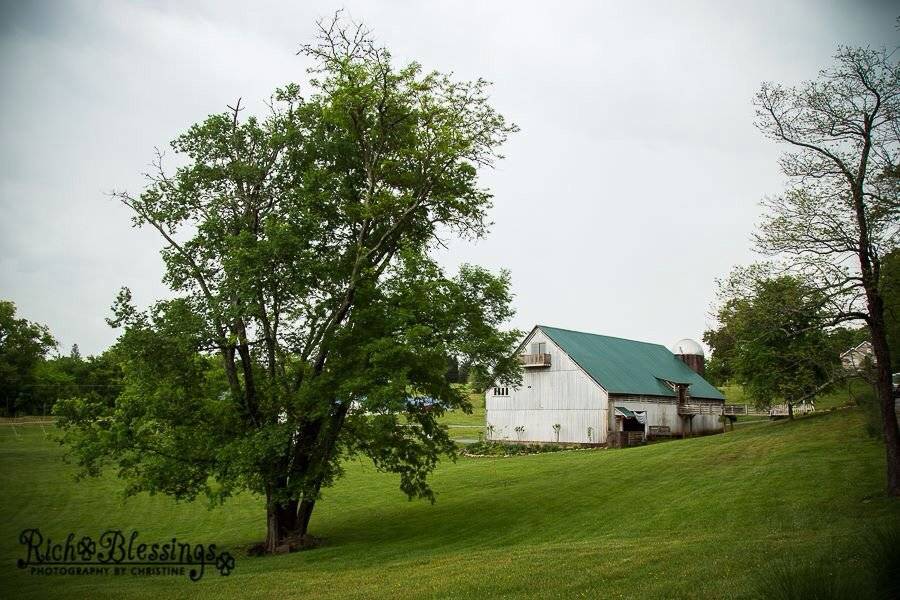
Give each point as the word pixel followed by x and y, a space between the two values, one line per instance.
pixel 839 215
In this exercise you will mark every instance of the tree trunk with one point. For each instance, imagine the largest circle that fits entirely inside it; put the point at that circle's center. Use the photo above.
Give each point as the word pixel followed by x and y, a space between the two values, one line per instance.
pixel 870 271
pixel 308 503
pixel 287 524
pixel 790 410
pixel 884 388
pixel 281 523
pixel 304 514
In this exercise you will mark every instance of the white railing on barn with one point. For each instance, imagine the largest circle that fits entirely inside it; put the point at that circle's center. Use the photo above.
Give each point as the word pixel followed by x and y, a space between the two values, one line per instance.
pixel 535 360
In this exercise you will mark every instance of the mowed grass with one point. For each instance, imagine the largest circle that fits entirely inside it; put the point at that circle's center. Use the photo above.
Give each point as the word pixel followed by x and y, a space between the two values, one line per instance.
pixel 466 426
pixel 697 518
pixel 838 395
pixel 844 393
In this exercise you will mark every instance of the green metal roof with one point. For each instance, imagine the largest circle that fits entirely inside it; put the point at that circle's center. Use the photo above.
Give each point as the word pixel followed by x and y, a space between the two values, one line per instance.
pixel 629 367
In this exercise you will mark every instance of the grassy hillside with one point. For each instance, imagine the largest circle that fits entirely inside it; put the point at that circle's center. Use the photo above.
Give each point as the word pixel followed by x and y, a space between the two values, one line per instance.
pixel 466 427
pixel 704 517
pixel 844 393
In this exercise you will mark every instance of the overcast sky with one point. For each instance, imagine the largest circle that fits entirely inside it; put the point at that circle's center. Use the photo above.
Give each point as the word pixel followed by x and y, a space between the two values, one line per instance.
pixel 633 184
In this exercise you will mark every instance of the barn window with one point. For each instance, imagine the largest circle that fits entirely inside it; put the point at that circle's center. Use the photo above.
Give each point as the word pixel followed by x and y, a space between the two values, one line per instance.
pixel 539 348
pixel 501 391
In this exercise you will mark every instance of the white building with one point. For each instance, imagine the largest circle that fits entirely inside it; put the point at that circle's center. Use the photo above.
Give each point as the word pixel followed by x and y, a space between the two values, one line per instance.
pixel 586 388
pixel 857 359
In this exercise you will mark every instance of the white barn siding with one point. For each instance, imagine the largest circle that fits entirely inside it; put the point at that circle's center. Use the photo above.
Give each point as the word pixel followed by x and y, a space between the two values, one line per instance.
pixel 664 412
pixel 708 424
pixel 561 393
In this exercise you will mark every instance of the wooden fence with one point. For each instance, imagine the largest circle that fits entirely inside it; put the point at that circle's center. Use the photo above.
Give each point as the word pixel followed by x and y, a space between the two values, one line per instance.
pixel 30 420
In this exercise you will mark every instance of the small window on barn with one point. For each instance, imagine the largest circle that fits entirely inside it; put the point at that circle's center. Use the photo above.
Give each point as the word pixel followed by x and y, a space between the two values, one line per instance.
pixel 539 348
pixel 501 391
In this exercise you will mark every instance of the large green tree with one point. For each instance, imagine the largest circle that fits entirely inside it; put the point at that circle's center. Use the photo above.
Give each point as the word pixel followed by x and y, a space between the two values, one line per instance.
pixel 310 322
pixel 721 341
pixel 776 345
pixel 23 347
pixel 839 217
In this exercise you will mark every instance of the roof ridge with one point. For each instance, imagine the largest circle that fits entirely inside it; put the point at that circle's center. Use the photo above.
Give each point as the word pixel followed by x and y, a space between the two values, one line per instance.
pixel 614 337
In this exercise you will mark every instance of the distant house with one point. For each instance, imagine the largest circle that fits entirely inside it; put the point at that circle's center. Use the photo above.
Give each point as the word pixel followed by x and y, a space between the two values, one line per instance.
pixel 587 388
pixel 855 359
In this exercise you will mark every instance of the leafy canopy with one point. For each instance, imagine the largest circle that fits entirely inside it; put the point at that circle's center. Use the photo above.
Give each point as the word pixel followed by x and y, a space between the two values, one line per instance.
pixel 309 313
pixel 772 337
pixel 23 348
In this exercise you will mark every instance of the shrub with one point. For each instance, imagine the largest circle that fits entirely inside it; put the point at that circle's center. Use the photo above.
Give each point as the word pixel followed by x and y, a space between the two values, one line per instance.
pixel 488 448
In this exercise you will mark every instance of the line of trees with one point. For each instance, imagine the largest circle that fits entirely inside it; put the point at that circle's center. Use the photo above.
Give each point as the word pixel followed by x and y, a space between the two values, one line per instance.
pixel 34 375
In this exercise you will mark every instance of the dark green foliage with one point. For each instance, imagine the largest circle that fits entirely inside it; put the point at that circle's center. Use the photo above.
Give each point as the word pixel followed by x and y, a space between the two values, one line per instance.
pixel 31 382
pixel 841 339
pixel 489 448
pixel 719 367
pixel 772 338
pixel 463 376
pixel 23 348
pixel 62 377
pixel 453 370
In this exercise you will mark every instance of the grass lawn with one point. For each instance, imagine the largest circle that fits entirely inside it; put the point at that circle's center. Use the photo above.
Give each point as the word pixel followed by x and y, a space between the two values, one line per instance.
pixel 839 395
pixel 845 393
pixel 703 517
pixel 464 426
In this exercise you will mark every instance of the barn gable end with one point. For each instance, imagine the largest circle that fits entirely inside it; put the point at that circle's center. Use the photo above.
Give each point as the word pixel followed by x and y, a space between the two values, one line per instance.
pixel 561 393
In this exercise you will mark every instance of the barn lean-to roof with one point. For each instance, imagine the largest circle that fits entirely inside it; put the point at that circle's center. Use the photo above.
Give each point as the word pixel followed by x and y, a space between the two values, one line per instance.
pixel 629 367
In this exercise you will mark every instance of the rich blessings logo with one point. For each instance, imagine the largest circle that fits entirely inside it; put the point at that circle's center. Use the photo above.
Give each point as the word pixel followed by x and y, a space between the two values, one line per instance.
pixel 119 553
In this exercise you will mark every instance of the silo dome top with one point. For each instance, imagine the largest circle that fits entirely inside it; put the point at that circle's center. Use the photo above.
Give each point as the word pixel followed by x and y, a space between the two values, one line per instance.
pixel 688 346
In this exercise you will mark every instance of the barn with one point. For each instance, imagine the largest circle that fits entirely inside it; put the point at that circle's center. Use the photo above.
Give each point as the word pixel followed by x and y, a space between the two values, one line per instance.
pixel 595 389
